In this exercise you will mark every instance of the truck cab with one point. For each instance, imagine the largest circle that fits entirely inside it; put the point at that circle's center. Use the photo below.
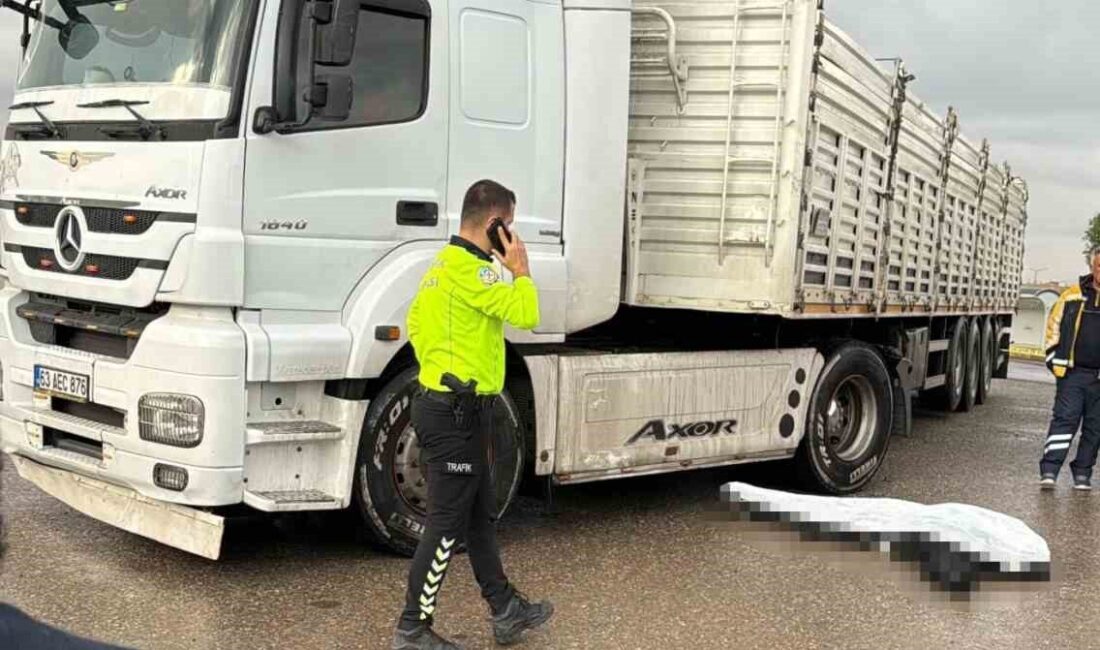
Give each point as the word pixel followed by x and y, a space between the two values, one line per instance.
pixel 214 215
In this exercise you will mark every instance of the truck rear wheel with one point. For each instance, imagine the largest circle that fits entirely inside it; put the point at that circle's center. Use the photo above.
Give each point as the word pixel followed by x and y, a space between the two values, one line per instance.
pixel 1000 349
pixel 973 364
pixel 950 394
pixel 989 360
pixel 390 490
pixel 848 423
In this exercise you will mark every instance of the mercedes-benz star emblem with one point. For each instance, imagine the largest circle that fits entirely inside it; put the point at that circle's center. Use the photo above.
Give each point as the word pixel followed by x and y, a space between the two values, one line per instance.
pixel 69 232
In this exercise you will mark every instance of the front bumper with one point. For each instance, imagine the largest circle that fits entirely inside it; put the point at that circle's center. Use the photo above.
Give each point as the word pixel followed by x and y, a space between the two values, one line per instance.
pixel 184 528
pixel 191 350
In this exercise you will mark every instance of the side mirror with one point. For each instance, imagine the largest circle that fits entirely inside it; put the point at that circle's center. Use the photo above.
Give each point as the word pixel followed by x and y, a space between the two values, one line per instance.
pixel 264 120
pixel 78 38
pixel 330 97
pixel 336 36
pixel 332 25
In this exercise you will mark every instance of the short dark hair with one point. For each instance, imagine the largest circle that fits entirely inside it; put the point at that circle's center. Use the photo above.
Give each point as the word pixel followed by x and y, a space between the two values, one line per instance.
pixel 483 199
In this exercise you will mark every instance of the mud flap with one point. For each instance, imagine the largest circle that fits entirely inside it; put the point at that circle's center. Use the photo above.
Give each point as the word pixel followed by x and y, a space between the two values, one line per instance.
pixel 179 526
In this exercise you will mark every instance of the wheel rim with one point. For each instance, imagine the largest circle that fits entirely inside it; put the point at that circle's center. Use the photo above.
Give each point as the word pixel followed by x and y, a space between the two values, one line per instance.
pixel 408 473
pixel 851 418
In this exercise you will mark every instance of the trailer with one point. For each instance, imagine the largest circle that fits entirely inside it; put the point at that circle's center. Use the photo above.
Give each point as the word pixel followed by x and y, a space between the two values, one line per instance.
pixel 751 241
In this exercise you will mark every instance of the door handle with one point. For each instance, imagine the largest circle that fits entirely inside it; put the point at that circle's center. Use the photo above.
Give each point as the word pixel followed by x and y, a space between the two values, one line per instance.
pixel 417 213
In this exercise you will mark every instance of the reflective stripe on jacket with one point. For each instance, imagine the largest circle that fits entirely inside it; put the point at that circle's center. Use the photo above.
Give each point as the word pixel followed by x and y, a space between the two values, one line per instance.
pixel 1064 325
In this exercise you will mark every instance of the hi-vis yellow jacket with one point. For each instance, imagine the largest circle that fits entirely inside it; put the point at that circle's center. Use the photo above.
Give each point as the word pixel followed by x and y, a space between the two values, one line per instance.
pixel 1064 326
pixel 456 322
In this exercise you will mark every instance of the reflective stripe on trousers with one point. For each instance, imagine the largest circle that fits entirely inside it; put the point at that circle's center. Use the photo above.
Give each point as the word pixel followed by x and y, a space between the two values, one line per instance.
pixel 1076 406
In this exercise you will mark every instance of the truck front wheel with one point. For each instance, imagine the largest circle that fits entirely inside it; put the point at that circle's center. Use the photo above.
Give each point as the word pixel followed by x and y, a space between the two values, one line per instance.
pixel 848 423
pixel 390 490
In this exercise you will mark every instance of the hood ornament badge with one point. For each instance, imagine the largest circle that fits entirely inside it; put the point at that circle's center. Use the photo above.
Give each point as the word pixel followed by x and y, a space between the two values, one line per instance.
pixel 76 160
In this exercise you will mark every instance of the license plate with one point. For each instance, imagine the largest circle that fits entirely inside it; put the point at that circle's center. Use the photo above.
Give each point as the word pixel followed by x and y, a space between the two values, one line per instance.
pixel 69 385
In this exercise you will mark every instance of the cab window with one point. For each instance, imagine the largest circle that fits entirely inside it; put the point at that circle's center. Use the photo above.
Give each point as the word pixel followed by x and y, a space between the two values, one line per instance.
pixel 389 66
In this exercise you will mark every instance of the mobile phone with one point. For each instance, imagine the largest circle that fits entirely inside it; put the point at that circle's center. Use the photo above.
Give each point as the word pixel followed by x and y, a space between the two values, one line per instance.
pixel 496 226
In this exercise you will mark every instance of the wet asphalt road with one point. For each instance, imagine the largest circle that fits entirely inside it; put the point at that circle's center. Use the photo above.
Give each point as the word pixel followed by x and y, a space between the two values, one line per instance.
pixel 630 564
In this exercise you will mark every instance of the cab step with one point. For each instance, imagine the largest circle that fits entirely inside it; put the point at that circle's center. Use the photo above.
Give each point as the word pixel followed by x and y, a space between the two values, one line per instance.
pixel 260 433
pixel 291 500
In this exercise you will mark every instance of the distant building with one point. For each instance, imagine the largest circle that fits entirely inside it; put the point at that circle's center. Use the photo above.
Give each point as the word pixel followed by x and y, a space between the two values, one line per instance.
pixel 1032 310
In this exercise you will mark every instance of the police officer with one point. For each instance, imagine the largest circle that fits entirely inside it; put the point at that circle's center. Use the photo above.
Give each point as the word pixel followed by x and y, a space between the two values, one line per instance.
pixel 1073 355
pixel 456 326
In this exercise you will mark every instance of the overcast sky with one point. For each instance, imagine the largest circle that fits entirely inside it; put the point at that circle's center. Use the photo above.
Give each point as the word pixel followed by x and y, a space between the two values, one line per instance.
pixel 1022 73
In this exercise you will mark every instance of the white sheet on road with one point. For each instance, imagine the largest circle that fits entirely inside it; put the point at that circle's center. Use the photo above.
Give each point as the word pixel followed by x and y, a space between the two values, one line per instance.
pixel 996 537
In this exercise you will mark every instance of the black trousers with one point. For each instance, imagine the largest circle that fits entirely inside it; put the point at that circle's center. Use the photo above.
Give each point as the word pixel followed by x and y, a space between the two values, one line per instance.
pixel 1076 405
pixel 461 509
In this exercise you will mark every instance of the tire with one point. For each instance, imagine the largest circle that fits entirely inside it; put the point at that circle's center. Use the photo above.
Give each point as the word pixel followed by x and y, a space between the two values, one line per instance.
pixel 1001 358
pixel 989 361
pixel 848 422
pixel 389 492
pixel 950 394
pixel 973 361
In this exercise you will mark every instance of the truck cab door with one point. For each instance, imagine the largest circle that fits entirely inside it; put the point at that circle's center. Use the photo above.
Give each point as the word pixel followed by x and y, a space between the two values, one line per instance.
pixel 508 125
pixel 326 201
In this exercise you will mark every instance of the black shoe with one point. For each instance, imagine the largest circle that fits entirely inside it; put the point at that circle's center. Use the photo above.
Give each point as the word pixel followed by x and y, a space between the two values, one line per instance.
pixel 519 616
pixel 421 637
pixel 1083 483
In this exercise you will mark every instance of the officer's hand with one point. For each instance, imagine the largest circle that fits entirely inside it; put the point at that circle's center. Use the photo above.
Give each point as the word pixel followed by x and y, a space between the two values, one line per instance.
pixel 515 255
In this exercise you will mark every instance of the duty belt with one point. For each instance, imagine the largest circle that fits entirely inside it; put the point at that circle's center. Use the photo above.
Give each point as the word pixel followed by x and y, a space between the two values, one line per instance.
pixel 463 399
pixel 480 402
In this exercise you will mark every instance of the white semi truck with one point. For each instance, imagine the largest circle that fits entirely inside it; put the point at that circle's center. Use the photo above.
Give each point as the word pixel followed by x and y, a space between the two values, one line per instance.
pixel 750 241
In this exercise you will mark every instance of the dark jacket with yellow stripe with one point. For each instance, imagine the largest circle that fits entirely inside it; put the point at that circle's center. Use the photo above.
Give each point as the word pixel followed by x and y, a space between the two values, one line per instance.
pixel 1064 324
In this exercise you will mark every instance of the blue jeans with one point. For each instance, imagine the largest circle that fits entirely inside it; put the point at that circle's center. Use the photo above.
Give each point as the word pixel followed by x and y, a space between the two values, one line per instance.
pixel 1076 405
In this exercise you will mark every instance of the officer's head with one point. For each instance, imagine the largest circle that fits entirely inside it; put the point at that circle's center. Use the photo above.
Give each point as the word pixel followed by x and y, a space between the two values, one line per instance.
pixel 486 200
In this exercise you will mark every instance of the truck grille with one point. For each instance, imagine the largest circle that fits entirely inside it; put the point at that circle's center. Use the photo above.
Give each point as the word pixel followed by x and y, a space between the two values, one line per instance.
pixel 70 444
pixel 104 220
pixel 107 267
pixel 90 411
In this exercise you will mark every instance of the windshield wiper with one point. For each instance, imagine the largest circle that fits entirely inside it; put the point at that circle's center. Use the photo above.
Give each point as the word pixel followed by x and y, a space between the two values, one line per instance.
pixel 146 128
pixel 48 128
pixel 31 13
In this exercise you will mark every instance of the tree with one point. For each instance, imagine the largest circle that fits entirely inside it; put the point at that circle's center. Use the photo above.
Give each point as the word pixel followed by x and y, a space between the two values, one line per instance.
pixel 1092 234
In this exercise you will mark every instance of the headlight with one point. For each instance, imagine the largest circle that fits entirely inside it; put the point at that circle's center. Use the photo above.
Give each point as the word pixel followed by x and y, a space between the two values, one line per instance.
pixel 171 419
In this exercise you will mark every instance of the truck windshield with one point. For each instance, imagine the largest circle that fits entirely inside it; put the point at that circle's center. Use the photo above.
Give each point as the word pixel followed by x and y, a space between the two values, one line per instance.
pixel 183 42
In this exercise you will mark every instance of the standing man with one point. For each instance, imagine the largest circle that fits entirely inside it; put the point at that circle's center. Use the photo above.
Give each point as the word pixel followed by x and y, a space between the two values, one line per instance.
pixel 1073 355
pixel 456 326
